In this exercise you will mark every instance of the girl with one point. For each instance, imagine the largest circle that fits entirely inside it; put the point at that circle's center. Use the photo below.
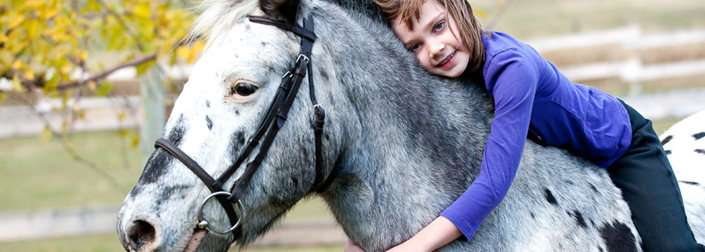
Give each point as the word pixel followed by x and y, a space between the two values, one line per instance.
pixel 531 95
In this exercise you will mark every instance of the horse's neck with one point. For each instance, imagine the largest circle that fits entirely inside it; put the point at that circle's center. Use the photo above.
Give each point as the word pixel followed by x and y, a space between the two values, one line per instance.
pixel 415 141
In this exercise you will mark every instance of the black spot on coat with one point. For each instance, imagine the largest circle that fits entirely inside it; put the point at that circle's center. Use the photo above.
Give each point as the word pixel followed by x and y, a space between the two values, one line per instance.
pixel 618 237
pixel 160 159
pixel 237 141
pixel 594 188
pixel 209 122
pixel 578 218
pixel 666 140
pixel 549 197
pixel 324 75
pixel 697 136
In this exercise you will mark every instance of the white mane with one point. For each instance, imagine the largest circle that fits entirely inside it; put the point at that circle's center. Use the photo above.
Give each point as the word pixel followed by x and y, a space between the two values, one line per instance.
pixel 219 16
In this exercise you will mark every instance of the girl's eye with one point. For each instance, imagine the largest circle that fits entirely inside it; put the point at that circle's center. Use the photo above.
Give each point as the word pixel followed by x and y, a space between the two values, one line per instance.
pixel 243 89
pixel 439 26
pixel 414 47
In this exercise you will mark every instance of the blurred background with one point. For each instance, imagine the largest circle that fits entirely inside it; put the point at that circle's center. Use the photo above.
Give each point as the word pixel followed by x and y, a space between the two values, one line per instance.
pixel 86 87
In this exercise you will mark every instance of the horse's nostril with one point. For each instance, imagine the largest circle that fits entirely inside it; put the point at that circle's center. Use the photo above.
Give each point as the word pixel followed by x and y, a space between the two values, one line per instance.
pixel 141 233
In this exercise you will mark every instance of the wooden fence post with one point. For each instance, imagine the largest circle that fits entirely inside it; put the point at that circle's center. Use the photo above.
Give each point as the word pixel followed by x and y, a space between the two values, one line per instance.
pixel 633 68
pixel 152 100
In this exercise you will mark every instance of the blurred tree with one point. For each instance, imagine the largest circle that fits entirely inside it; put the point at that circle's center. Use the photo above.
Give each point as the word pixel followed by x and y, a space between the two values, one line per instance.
pixel 45 45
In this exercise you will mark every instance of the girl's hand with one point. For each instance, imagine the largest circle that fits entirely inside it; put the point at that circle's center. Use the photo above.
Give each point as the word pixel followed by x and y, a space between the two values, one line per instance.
pixel 437 234
pixel 352 247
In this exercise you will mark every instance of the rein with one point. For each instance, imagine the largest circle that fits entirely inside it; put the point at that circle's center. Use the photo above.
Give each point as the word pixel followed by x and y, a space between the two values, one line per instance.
pixel 264 136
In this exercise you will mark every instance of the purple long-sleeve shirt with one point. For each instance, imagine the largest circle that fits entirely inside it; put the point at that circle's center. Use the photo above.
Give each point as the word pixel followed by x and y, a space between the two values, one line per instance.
pixel 532 96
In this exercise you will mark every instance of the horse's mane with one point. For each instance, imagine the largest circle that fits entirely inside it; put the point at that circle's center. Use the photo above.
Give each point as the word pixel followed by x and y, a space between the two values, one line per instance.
pixel 218 17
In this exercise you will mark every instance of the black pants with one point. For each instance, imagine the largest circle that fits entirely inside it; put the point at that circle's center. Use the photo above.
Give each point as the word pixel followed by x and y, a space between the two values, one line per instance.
pixel 650 189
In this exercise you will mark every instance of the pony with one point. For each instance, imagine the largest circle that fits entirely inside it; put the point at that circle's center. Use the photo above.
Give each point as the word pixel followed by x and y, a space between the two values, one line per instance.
pixel 398 146
pixel 684 143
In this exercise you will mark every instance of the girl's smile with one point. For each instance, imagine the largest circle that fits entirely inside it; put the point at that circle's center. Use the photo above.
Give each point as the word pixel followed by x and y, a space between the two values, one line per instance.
pixel 447 61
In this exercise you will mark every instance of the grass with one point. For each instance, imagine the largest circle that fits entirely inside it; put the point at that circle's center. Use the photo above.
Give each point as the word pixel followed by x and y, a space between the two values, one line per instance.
pixel 37 174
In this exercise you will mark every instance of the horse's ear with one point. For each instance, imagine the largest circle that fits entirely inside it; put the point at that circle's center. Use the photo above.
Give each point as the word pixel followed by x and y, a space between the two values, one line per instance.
pixel 286 8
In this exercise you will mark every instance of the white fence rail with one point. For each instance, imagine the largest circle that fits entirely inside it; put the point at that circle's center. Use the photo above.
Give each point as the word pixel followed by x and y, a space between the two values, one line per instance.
pixel 632 40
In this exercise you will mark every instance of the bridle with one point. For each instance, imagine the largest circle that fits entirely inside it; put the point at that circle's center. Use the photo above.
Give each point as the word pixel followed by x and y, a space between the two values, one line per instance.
pixel 264 136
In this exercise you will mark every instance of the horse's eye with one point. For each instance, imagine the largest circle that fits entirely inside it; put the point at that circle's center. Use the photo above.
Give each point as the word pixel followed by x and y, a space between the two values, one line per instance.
pixel 243 89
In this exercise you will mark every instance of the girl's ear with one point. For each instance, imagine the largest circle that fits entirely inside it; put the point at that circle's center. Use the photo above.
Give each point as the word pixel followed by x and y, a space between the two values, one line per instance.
pixel 288 9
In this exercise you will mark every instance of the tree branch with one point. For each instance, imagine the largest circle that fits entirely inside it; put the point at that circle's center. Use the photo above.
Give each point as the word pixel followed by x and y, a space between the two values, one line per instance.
pixel 103 74
pixel 490 25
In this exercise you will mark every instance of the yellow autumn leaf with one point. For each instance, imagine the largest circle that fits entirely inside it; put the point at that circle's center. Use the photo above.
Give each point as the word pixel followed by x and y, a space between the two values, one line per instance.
pixel 121 115
pixel 18 20
pixel 51 12
pixel 29 74
pixel 104 89
pixel 6 58
pixel 142 68
pixel 33 4
pixel 480 13
pixel 46 134
pixel 91 85
pixel 195 50
pixel 16 85
pixel 123 133
pixel 65 68
pixel 17 65
pixel 91 6
pixel 142 10
pixel 2 97
pixel 182 52
pixel 135 141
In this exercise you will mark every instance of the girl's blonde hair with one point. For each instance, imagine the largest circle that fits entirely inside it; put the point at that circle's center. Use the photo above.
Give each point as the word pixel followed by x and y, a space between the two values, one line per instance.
pixel 470 31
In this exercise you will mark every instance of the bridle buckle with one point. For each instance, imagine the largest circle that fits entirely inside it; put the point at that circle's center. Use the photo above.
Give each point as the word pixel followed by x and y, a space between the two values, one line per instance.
pixel 304 57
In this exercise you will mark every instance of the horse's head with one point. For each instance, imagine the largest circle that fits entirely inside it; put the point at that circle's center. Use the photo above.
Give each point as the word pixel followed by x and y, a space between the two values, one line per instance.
pixel 236 93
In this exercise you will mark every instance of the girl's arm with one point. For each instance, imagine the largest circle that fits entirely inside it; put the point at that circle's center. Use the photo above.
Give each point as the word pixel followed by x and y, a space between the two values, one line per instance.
pixel 512 81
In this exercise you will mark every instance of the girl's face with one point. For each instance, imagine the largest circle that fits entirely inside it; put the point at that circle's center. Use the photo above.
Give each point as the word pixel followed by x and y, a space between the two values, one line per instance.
pixel 431 40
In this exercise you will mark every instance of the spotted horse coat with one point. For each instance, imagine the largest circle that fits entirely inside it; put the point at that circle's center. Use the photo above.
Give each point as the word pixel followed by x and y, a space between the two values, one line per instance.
pixel 684 144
